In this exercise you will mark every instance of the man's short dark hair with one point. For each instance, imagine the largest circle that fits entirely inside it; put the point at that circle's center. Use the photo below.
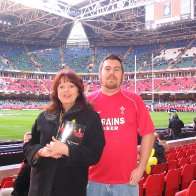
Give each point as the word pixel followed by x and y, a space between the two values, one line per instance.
pixel 111 57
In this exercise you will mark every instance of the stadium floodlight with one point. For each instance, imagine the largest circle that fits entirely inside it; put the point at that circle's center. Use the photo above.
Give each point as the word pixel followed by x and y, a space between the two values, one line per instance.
pixel 3 22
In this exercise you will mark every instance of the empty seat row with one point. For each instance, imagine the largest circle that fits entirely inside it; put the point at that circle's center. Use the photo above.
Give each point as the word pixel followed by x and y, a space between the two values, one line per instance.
pixel 168 183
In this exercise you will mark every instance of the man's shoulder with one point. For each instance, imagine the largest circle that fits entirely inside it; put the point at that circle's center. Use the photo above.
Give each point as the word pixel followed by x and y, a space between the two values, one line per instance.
pixel 93 95
pixel 130 94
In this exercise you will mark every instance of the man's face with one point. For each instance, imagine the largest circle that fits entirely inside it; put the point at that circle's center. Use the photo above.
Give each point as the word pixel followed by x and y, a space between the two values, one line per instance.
pixel 111 74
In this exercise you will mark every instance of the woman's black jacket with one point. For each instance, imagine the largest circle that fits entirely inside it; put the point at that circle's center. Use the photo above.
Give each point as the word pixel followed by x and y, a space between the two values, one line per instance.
pixel 66 176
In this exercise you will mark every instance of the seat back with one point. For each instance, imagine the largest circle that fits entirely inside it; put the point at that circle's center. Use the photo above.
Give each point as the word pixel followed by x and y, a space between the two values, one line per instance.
pixel 172 181
pixel 141 183
pixel 8 184
pixel 185 148
pixel 181 193
pixel 159 168
pixel 187 174
pixel 191 191
pixel 173 164
pixel 171 156
pixel 5 179
pixel 193 147
pixel 182 161
pixel 180 154
pixel 149 186
pixel 190 152
pixel 193 159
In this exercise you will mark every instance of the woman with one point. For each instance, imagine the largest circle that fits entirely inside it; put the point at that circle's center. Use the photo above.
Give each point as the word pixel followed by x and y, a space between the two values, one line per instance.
pixel 61 169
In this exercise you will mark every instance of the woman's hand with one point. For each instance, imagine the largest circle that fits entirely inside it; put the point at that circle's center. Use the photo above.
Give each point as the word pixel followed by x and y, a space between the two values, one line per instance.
pixel 46 152
pixel 57 148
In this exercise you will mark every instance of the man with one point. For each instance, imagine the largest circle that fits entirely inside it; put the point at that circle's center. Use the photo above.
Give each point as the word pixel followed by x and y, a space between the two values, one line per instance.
pixel 175 127
pixel 123 115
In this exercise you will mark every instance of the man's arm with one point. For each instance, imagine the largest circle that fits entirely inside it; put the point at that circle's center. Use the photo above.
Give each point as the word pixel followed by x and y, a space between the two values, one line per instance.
pixel 170 132
pixel 145 151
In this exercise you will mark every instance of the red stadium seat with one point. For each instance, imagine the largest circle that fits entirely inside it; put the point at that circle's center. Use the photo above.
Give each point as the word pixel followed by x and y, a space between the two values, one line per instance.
pixel 8 184
pixel 171 150
pixel 5 179
pixel 181 193
pixel 193 147
pixel 179 148
pixel 172 181
pixel 181 154
pixel 190 152
pixel 182 161
pixel 149 186
pixel 193 159
pixel 141 182
pixel 159 168
pixel 187 174
pixel 172 164
pixel 190 191
pixel 187 147
pixel 171 156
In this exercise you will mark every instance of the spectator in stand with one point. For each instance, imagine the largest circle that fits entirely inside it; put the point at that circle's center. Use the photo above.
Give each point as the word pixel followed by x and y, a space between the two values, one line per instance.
pixel 61 168
pixel 175 127
pixel 22 180
pixel 159 152
pixel 161 138
pixel 123 115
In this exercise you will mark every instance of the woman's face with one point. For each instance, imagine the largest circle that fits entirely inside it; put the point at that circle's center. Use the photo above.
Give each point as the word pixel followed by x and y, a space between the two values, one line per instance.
pixel 67 93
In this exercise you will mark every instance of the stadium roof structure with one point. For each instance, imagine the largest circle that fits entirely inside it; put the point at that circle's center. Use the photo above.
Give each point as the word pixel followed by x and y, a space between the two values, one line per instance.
pixel 105 22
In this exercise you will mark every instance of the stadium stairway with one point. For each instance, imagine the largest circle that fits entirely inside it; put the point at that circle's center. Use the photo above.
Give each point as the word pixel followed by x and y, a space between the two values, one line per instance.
pixel 171 65
pixel 30 56
pixel 127 53
pixel 193 87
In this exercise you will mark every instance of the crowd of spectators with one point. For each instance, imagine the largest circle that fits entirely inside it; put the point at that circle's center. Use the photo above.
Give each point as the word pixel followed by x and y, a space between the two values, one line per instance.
pixel 21 104
pixel 16 104
pixel 180 106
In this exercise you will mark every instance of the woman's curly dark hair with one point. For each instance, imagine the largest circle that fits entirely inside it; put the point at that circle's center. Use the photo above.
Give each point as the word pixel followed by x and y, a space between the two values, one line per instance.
pixel 74 78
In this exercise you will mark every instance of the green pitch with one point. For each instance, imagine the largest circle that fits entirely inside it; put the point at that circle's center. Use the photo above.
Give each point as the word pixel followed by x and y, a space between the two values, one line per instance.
pixel 14 123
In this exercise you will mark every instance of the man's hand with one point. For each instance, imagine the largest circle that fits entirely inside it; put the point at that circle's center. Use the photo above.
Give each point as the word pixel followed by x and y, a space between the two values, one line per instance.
pixel 136 175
